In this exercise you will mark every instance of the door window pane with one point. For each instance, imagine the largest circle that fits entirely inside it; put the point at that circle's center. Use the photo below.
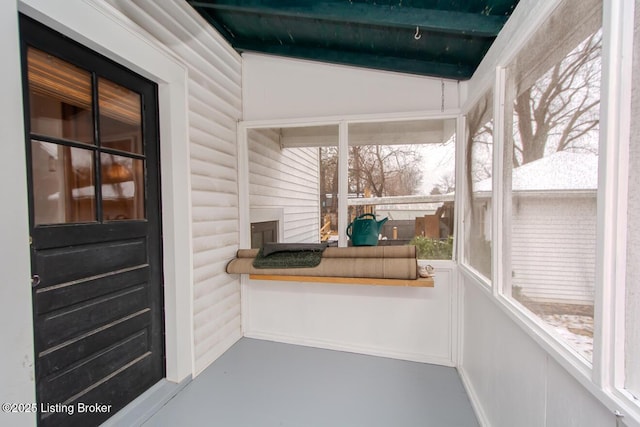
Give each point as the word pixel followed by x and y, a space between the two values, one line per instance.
pixel 59 98
pixel 120 117
pixel 63 184
pixel 122 187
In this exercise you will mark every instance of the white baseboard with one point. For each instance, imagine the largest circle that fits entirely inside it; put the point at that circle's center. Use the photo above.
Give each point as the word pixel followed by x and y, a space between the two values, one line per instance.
pixel 215 352
pixel 473 397
pixel 147 404
pixel 331 345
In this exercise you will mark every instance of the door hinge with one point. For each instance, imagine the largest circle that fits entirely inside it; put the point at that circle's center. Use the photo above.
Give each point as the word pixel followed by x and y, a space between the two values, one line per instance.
pixel 30 240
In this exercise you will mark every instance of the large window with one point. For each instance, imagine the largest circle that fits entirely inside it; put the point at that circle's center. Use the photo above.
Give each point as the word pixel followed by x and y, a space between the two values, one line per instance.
pixel 403 171
pixel 551 175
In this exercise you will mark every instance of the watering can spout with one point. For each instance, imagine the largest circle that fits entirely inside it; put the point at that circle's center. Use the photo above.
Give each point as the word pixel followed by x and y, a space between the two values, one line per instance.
pixel 364 230
pixel 381 223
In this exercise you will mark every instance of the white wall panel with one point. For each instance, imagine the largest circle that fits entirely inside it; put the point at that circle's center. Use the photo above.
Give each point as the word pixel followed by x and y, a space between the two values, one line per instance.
pixel 511 380
pixel 505 369
pixel 570 405
pixel 399 322
pixel 280 88
pixel 213 111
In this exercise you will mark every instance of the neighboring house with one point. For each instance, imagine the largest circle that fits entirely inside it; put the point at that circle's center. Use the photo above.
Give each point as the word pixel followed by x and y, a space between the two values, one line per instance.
pixel 553 226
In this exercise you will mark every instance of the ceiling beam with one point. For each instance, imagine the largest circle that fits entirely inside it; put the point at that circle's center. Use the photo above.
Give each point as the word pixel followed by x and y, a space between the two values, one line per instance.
pixel 475 24
pixel 359 59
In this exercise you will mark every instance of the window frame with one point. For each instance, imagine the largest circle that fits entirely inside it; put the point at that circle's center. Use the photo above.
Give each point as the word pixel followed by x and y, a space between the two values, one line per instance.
pixel 605 377
pixel 342 123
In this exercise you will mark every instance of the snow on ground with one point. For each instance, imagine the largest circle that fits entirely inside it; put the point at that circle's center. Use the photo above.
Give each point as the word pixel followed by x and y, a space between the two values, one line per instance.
pixel 576 330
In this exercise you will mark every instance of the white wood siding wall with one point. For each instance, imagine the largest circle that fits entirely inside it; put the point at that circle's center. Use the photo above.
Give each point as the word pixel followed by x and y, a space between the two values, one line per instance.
pixel 213 112
pixel 286 178
pixel 554 248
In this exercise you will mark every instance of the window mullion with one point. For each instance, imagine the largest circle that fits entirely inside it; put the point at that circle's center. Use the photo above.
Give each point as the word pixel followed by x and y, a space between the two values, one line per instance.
pixel 343 182
pixel 497 197
pixel 96 141
pixel 609 341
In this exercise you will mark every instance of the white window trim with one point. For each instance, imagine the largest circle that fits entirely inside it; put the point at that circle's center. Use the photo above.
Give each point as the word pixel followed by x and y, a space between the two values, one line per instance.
pixel 618 41
pixel 497 87
pixel 342 123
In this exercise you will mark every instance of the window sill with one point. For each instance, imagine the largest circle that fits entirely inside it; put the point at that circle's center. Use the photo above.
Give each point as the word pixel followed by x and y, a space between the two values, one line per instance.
pixel 422 282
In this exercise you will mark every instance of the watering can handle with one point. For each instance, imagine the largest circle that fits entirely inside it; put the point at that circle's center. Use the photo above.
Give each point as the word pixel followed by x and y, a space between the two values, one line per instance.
pixel 350 226
pixel 366 214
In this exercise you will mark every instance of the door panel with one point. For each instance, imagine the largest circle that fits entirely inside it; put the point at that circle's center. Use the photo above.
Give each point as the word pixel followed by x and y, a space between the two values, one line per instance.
pixel 109 389
pixel 58 358
pixel 83 234
pixel 64 326
pixel 56 297
pixel 62 265
pixel 96 255
pixel 76 378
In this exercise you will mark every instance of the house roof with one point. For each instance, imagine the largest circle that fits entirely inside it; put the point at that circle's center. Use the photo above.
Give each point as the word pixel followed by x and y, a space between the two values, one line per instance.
pixel 440 38
pixel 563 170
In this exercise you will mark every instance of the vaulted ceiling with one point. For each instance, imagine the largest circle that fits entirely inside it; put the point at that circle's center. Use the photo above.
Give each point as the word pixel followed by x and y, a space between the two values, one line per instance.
pixel 440 38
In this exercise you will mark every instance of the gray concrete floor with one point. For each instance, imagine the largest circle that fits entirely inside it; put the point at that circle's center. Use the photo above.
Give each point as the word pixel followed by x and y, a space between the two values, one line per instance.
pixel 263 384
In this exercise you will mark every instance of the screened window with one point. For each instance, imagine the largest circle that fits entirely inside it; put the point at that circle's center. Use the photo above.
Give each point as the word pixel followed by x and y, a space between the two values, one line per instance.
pixel 329 184
pixel 551 174
pixel 405 172
pixel 479 176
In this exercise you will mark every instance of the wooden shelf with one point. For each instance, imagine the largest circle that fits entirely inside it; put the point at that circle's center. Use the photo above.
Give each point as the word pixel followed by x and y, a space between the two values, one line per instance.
pixel 422 282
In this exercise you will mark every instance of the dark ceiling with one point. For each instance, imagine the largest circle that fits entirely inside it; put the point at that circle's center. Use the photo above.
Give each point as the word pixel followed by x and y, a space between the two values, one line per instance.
pixel 441 38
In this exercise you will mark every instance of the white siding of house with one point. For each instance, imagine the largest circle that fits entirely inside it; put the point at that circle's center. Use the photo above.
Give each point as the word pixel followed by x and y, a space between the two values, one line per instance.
pixel 214 108
pixel 554 248
pixel 287 179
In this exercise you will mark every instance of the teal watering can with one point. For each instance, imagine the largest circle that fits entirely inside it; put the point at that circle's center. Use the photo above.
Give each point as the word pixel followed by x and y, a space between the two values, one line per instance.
pixel 364 230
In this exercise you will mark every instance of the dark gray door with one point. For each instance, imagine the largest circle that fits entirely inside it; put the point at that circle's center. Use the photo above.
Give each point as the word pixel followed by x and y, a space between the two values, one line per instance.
pixel 92 157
